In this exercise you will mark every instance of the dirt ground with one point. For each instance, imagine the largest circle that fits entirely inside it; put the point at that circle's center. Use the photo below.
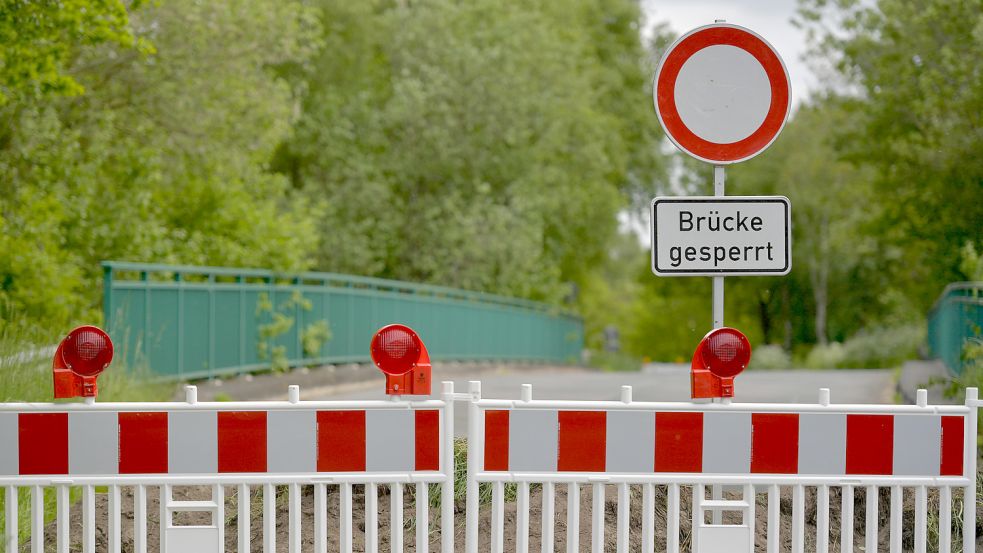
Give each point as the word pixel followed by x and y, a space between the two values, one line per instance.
pixel 535 520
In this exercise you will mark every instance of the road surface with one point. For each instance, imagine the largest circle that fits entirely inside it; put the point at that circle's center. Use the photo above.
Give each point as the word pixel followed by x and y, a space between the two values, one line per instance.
pixel 656 382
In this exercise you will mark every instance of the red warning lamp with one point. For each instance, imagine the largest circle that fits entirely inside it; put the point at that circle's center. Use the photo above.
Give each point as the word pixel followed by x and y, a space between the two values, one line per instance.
pixel 722 354
pixel 398 351
pixel 80 359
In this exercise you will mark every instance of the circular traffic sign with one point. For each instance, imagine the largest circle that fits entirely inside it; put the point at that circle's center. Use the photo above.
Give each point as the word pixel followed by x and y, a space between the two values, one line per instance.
pixel 722 93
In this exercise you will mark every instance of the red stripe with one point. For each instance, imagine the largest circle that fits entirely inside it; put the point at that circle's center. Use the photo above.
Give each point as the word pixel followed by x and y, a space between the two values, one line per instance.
pixel 496 440
pixel 340 441
pixel 679 442
pixel 142 443
pixel 427 440
pixel 43 442
pixel 582 440
pixel 242 441
pixel 775 443
pixel 869 444
pixel 953 439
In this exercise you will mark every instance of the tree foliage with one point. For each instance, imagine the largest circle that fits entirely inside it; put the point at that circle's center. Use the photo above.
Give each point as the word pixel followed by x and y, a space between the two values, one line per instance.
pixel 485 145
pixel 162 159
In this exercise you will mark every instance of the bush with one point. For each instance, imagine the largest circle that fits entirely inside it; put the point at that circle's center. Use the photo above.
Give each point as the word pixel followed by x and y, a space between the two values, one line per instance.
pixel 829 356
pixel 614 361
pixel 770 357
pixel 882 347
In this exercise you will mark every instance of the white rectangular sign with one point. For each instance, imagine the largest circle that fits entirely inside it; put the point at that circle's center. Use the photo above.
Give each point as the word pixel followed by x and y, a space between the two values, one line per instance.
pixel 721 235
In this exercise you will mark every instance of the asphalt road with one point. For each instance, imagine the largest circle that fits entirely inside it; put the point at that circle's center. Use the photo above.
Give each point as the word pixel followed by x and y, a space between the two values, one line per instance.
pixel 657 382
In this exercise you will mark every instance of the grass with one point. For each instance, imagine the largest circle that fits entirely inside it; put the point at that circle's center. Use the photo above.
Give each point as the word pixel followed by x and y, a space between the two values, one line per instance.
pixel 25 376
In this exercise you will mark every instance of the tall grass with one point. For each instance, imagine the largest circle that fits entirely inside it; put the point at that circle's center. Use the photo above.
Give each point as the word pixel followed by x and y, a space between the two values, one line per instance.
pixel 25 376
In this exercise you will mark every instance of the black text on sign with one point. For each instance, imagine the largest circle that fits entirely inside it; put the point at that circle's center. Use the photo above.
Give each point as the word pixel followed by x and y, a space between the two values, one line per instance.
pixel 721 236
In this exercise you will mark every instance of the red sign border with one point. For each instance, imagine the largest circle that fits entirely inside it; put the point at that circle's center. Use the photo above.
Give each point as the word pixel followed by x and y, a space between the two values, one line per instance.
pixel 665 84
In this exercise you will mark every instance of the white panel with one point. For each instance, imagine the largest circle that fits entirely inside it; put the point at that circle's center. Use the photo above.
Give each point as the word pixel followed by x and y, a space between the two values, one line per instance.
pixel 390 440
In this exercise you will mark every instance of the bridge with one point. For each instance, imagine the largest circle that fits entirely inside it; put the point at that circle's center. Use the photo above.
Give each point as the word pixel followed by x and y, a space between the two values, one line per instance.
pixel 186 322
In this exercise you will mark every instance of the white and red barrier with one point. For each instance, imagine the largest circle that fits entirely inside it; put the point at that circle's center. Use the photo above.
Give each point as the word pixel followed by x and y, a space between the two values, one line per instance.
pixel 717 441
pixel 705 448
pixel 208 441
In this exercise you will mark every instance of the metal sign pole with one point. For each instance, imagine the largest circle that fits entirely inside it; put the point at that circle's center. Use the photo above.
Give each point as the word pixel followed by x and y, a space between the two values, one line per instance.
pixel 719 178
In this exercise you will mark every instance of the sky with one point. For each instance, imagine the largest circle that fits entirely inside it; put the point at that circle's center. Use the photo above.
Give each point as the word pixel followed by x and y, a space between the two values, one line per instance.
pixel 769 18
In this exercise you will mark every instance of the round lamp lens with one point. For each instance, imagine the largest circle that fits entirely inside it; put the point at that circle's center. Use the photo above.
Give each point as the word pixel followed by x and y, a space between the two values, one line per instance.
pixel 395 349
pixel 727 352
pixel 88 350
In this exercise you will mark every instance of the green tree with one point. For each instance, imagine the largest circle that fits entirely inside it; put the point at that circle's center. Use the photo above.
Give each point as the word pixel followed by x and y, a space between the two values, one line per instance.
pixel 481 144
pixel 162 159
pixel 40 38
pixel 914 66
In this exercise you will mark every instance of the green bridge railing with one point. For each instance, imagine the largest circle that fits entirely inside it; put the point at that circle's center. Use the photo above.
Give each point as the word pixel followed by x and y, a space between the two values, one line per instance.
pixel 198 322
pixel 955 320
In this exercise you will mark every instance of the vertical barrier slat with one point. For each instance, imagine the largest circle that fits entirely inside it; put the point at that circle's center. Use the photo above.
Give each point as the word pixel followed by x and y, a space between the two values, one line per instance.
pixel 573 517
pixel 243 522
pixel 10 520
pixel 321 518
pixel 648 518
pixel 37 519
pixel 699 492
pixel 921 518
pixel 165 520
pixel 293 516
pixel 945 519
pixel 371 518
pixel 895 527
pixel 846 521
pixel 269 518
pixel 549 505
pixel 798 518
pixel 774 518
pixel 672 519
pixel 870 520
pixel 475 450
pixel 498 518
pixel 447 467
pixel 623 514
pixel 522 519
pixel 597 519
pixel 822 519
pixel 140 519
pixel 88 519
pixel 717 492
pixel 422 517
pixel 396 518
pixel 751 520
pixel 115 523
pixel 970 452
pixel 345 518
pixel 62 522
pixel 218 496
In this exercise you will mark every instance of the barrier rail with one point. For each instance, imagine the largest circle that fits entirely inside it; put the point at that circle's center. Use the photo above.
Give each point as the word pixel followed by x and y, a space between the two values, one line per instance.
pixel 955 319
pixel 200 322
pixel 730 464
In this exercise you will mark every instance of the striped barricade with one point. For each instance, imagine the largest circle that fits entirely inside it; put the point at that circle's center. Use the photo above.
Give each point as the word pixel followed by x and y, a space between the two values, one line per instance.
pixel 719 450
pixel 369 444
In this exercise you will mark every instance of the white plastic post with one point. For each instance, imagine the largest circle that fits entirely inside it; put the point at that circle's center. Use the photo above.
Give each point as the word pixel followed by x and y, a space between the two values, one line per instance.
pixel 115 520
pixel 626 394
pixel 422 517
pixel 10 512
pixel 321 519
pixel 371 518
pixel 474 448
pixel 921 398
pixel 824 397
pixel 294 515
pixel 624 512
pixel 672 519
pixel 597 519
pixel 870 543
pixel 774 518
pixel 62 522
pixel 573 517
pixel 969 492
pixel 88 519
pixel 846 520
pixel 549 501
pixel 526 394
pixel 719 180
pixel 648 518
pixel 37 519
pixel 243 524
pixel 522 519
pixel 447 465
pixel 293 393
pixel 269 518
pixel 191 394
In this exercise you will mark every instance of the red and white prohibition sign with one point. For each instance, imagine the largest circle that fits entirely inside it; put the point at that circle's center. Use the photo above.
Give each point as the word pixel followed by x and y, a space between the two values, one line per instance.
pixel 722 93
